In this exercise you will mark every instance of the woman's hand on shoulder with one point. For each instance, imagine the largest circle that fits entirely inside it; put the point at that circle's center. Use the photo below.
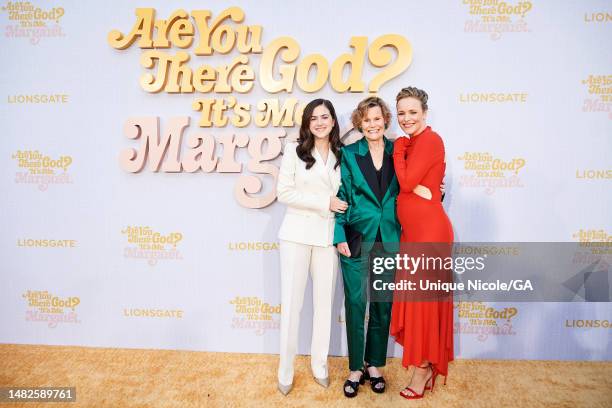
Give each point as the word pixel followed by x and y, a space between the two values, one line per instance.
pixel 337 205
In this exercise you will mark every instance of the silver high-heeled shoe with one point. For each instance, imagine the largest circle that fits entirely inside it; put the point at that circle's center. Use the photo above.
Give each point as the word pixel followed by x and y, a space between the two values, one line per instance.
pixel 285 389
pixel 324 382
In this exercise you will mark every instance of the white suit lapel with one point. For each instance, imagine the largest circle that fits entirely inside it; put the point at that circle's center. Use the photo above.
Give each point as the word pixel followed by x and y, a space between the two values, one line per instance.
pixel 333 173
pixel 321 167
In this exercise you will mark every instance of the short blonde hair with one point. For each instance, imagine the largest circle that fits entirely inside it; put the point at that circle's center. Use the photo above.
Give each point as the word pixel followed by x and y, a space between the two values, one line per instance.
pixel 362 110
pixel 413 92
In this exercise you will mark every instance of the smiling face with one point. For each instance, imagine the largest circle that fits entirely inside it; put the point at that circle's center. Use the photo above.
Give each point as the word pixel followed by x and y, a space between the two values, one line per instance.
pixel 373 124
pixel 410 115
pixel 321 122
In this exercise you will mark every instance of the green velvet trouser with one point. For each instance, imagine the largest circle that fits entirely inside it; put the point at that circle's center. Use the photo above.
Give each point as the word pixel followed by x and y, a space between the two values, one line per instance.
pixel 356 273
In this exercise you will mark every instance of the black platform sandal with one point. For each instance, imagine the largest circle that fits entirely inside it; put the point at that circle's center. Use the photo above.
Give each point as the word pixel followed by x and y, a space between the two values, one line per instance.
pixel 374 381
pixel 354 385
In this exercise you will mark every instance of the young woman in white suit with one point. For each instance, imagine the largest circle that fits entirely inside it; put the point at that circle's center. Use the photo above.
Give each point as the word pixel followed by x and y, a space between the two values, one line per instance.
pixel 308 181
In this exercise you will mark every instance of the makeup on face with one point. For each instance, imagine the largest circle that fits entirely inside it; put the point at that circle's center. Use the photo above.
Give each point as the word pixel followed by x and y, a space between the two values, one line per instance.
pixel 321 122
pixel 373 124
pixel 410 116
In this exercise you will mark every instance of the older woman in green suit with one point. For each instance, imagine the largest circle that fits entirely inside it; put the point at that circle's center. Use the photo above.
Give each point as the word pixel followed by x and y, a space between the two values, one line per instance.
pixel 370 187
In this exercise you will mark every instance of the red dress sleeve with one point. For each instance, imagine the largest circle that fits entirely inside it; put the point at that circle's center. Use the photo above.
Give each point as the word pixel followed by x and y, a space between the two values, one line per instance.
pixel 412 158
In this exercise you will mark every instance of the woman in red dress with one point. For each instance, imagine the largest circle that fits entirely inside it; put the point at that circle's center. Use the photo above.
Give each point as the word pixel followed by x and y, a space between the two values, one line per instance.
pixel 423 328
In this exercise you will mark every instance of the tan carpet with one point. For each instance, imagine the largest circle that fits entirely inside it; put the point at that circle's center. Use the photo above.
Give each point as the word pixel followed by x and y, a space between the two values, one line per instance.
pixel 157 378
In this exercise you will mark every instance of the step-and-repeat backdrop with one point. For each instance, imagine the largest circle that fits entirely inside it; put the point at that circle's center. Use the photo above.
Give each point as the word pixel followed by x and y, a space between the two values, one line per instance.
pixel 141 144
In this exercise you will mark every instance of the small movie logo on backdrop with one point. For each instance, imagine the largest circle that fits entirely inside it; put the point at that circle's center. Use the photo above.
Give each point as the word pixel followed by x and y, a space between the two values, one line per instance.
pixel 496 17
pixel 44 306
pixel 595 245
pixel 599 99
pixel 27 20
pixel 40 169
pixel 252 313
pixel 482 321
pixel 146 243
pixel 592 279
pixel 484 170
pixel 593 238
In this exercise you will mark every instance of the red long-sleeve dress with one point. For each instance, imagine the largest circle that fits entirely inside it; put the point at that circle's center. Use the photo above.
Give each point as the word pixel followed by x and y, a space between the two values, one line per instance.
pixel 424 329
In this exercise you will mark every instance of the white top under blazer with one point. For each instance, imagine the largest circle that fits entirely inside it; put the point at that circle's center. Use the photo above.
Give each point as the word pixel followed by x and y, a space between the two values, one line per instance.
pixel 308 219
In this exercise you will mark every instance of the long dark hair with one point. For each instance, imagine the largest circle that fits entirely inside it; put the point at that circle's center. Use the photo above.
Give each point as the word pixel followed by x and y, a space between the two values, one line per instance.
pixel 306 140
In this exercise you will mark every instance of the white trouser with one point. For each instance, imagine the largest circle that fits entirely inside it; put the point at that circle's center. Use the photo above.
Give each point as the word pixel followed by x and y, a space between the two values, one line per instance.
pixel 296 261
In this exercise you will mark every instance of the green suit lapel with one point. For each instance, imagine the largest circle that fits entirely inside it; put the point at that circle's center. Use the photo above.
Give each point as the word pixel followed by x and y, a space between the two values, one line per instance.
pixel 362 151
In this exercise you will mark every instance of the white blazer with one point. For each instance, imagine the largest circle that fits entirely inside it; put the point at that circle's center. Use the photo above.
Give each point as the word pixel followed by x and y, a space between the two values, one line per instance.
pixel 306 193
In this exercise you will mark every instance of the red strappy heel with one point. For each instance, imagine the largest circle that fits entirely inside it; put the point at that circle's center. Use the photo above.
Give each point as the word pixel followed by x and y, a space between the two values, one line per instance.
pixel 432 381
pixel 414 394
